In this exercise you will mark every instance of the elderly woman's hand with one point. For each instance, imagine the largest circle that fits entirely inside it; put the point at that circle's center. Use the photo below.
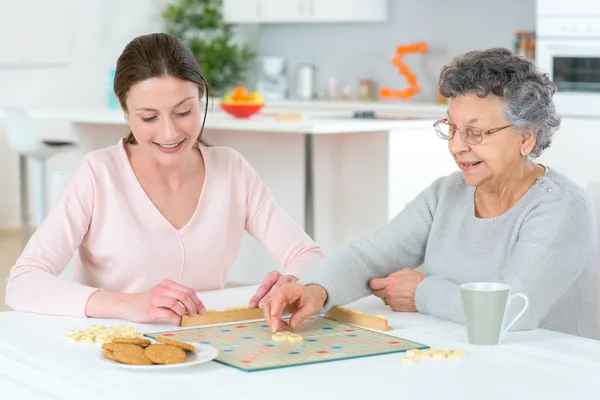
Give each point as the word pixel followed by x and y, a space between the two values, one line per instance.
pixel 299 300
pixel 398 289
pixel 269 286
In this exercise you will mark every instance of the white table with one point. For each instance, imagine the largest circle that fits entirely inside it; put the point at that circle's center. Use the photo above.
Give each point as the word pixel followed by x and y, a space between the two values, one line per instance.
pixel 36 362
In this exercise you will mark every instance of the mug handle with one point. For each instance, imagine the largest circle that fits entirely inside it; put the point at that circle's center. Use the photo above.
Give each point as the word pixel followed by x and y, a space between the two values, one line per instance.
pixel 510 300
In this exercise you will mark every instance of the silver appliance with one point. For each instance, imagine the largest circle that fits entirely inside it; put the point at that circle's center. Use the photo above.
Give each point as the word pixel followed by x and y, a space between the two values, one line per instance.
pixel 305 81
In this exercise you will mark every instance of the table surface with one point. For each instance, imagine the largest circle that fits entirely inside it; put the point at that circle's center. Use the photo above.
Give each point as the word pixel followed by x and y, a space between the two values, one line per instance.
pixel 316 123
pixel 36 362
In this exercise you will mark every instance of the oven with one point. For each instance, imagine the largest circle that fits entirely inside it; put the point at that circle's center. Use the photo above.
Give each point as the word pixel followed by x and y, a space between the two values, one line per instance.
pixel 569 50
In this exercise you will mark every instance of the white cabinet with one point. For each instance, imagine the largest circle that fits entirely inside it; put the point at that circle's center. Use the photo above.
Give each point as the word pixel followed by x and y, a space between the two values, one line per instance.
pixel 574 150
pixel 567 9
pixel 303 11
pixel 347 10
pixel 416 158
pixel 241 11
pixel 281 11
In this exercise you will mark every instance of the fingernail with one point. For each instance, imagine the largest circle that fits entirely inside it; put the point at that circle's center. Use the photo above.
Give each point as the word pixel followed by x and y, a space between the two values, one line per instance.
pixel 261 303
pixel 202 311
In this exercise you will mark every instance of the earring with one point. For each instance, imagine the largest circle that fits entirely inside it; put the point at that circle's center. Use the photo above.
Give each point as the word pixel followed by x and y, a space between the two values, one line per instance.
pixel 525 151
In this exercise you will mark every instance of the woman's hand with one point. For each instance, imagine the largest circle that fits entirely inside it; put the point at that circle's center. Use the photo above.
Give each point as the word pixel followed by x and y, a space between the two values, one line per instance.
pixel 398 289
pixel 299 300
pixel 271 284
pixel 167 300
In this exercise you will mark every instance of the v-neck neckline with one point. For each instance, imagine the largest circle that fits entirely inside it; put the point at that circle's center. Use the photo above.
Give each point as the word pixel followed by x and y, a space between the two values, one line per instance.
pixel 149 201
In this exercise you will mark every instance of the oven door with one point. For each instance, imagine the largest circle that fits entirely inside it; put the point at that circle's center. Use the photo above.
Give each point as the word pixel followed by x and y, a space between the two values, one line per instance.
pixel 574 66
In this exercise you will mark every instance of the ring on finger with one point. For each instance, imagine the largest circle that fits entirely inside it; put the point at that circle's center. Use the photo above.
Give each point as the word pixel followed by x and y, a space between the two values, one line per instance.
pixel 182 306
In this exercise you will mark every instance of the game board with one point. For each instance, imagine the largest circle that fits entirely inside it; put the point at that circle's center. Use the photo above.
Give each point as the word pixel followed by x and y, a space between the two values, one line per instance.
pixel 250 347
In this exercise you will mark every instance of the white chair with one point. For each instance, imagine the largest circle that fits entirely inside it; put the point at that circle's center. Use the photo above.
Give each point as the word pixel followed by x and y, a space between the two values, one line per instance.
pixel 593 190
pixel 22 139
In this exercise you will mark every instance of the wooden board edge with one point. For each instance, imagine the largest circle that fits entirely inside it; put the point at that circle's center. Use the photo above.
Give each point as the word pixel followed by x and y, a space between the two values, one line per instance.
pixel 350 316
pixel 211 317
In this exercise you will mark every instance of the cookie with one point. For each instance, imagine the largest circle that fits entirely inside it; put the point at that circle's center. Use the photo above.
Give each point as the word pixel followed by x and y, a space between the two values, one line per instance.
pixel 109 354
pixel 176 343
pixel 122 346
pixel 131 340
pixel 109 346
pixel 164 354
pixel 130 354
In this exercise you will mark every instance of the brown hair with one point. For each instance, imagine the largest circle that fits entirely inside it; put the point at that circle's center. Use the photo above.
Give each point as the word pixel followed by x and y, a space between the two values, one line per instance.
pixel 153 56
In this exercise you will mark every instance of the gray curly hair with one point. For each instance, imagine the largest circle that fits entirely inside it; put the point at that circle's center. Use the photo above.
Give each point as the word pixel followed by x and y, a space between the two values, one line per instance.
pixel 528 92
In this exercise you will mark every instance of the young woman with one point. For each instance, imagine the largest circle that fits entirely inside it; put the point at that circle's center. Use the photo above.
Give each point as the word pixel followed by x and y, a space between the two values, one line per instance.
pixel 159 216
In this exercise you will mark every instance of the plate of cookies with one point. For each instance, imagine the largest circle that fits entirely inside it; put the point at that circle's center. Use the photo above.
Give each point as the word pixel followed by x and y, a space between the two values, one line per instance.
pixel 164 353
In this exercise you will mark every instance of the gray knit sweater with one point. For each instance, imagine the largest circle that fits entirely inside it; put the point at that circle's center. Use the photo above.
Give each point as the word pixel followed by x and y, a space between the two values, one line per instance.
pixel 544 247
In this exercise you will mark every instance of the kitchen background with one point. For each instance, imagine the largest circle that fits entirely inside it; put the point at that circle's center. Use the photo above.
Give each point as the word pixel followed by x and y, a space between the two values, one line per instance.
pixel 351 51
pixel 363 178
pixel 99 29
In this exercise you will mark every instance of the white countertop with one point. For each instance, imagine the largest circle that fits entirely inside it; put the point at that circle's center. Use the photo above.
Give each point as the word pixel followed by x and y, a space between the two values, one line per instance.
pixel 36 361
pixel 311 122
pixel 421 108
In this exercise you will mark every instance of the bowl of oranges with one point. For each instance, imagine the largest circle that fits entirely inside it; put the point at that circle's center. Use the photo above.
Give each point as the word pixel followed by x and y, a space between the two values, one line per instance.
pixel 242 104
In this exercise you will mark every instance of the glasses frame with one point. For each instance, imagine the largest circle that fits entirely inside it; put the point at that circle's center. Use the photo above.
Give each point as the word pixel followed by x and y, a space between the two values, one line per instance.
pixel 453 130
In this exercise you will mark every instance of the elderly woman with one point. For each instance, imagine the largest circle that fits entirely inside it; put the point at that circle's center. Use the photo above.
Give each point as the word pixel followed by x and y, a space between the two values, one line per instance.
pixel 501 218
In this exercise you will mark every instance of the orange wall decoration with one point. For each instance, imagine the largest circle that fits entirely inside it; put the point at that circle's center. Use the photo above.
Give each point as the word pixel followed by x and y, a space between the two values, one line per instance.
pixel 403 70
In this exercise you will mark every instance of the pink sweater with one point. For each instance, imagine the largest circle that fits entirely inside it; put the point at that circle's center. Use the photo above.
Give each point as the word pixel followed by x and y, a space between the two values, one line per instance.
pixel 122 243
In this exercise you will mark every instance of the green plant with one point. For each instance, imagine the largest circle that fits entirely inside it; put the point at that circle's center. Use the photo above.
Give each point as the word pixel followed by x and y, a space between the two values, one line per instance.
pixel 199 24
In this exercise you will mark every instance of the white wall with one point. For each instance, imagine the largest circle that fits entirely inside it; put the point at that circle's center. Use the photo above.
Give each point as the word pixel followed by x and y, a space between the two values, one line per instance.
pixel 100 29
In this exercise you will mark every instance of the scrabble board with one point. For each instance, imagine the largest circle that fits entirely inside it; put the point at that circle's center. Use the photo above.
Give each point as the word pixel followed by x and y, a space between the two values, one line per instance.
pixel 250 346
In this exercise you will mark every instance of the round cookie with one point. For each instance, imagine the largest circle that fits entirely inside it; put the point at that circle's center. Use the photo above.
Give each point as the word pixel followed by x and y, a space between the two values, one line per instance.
pixel 176 343
pixel 109 346
pixel 164 354
pixel 109 354
pixel 130 354
pixel 114 346
pixel 131 340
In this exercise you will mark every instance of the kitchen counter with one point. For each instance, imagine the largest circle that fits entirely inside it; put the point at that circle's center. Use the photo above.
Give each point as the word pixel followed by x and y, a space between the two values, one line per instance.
pixel 429 109
pixel 84 121
pixel 302 122
pixel 336 176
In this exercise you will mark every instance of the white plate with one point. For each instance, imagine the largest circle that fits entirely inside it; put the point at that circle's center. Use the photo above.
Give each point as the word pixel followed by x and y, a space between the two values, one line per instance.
pixel 203 353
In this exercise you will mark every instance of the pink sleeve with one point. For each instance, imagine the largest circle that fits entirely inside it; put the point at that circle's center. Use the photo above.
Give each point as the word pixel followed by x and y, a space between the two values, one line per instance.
pixel 34 284
pixel 275 230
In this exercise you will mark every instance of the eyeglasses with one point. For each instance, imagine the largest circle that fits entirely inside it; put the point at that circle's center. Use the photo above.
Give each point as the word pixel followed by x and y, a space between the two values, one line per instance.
pixel 469 134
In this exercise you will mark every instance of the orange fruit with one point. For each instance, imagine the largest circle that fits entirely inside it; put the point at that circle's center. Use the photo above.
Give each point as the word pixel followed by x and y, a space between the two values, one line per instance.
pixel 239 92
